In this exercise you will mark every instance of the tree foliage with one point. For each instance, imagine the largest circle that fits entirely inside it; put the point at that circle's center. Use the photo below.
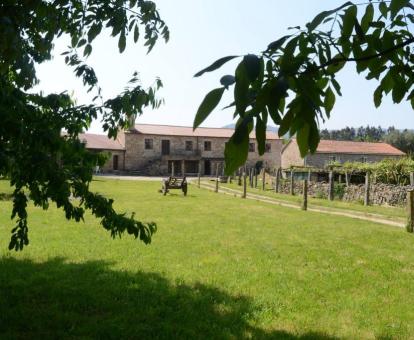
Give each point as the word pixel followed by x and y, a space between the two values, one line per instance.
pixel 43 164
pixel 293 81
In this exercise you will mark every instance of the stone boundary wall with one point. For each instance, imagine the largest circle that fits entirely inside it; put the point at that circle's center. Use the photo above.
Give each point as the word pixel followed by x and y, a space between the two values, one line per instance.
pixel 380 194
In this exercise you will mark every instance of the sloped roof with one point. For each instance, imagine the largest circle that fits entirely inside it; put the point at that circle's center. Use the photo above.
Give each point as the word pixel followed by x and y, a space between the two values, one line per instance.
pixel 100 142
pixel 171 130
pixel 335 146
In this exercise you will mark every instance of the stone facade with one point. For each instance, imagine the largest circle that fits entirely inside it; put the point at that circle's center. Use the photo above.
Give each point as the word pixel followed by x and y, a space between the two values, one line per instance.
pixel 320 160
pixel 144 154
pixel 291 155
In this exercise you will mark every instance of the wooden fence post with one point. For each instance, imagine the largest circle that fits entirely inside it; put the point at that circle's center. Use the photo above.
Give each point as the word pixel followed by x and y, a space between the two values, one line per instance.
pixel 366 198
pixel 331 186
pixel 264 180
pixel 172 168
pixel 305 195
pixel 244 183
pixel 217 178
pixel 182 168
pixel 199 173
pixel 412 178
pixel 292 182
pixel 255 178
pixel 410 211
pixel 277 180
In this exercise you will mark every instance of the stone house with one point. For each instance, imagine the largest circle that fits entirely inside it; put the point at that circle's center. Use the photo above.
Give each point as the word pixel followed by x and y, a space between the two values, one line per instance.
pixel 338 151
pixel 114 148
pixel 157 149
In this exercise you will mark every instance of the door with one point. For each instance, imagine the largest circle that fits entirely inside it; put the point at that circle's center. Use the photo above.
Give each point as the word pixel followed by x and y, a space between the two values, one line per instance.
pixel 115 162
pixel 207 168
pixel 165 147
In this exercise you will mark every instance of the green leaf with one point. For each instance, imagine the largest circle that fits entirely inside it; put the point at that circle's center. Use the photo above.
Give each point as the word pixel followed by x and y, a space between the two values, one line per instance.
pixel 261 135
pixel 329 101
pixel 336 86
pixel 337 66
pixel 359 31
pixel 399 90
pixel 396 6
pixel 122 42
pixel 378 96
pixel 367 18
pixel 252 66
pixel 88 50
pixel 94 31
pixel 275 45
pixel 241 89
pixel 383 9
pixel 216 65
pixel 286 123
pixel 136 33
pixel 387 82
pixel 348 22
pixel 235 155
pixel 314 137
pixel 323 15
pixel 302 138
pixel 209 103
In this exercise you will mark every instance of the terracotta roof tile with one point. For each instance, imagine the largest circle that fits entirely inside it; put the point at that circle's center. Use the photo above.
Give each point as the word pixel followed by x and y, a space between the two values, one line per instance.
pixel 100 142
pixel 334 146
pixel 170 130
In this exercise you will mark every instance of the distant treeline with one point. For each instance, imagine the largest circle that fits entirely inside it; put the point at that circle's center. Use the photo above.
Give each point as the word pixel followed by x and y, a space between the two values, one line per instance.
pixel 401 139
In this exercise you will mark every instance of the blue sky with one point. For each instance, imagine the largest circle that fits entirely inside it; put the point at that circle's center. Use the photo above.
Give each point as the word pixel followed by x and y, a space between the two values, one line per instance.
pixel 201 32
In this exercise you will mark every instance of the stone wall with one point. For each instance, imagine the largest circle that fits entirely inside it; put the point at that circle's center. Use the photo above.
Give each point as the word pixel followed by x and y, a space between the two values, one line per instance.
pixel 315 189
pixel 380 194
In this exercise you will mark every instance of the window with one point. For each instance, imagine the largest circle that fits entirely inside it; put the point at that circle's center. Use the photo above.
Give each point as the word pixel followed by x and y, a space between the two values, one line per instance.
pixel 207 146
pixel 332 159
pixel 188 145
pixel 268 147
pixel 149 144
pixel 165 147
pixel 251 147
pixel 364 159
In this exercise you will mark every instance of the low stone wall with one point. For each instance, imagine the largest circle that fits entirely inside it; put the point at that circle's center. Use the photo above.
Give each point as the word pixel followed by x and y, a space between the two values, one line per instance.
pixel 380 194
pixel 315 189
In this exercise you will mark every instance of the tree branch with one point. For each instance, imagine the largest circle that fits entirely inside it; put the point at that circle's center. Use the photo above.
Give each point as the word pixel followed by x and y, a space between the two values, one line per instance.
pixel 373 56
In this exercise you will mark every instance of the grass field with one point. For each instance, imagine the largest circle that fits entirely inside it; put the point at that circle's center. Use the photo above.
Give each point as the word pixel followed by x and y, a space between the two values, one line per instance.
pixel 218 267
pixel 385 211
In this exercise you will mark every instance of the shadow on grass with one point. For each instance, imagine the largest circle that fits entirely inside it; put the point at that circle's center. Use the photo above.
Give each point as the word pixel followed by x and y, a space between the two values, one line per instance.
pixel 57 299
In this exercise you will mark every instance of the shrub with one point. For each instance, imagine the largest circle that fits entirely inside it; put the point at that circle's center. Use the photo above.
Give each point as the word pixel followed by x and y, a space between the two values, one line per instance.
pixel 339 190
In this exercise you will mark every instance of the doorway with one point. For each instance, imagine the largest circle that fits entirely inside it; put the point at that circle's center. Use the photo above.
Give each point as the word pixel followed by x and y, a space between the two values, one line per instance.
pixel 207 167
pixel 115 160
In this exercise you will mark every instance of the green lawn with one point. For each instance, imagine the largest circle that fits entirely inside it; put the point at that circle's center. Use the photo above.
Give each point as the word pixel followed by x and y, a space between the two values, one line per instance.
pixel 218 267
pixel 384 211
